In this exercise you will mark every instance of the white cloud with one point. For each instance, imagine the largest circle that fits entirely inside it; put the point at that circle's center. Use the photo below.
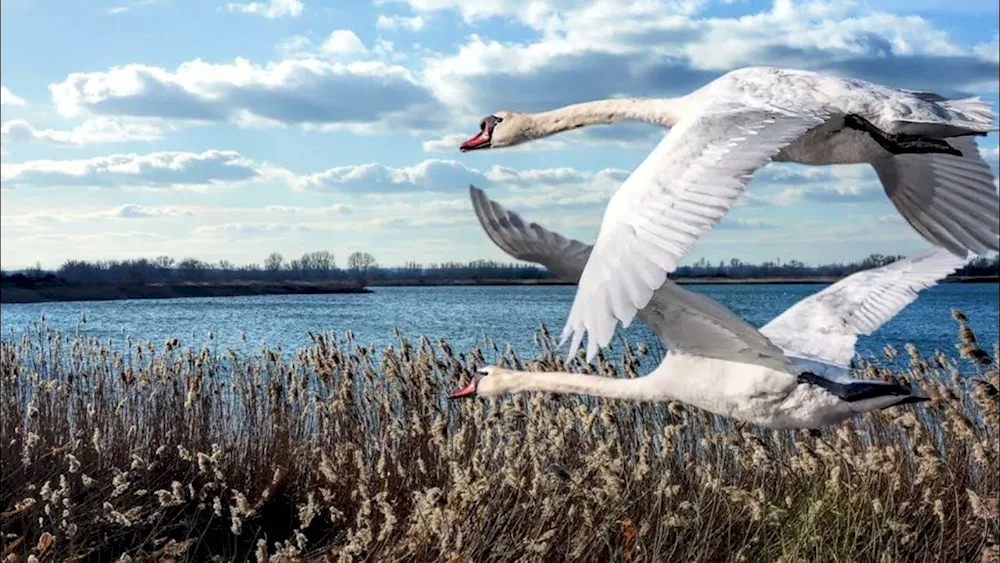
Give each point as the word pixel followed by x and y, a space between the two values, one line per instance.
pixel 293 46
pixel 343 42
pixel 535 13
pixel 841 193
pixel 374 178
pixel 270 9
pixel 306 91
pixel 129 7
pixel 159 169
pixel 251 229
pixel 536 187
pixel 135 211
pixel 335 209
pixel 414 23
pixel 58 218
pixel 448 143
pixel 436 175
pixel 991 155
pixel 8 98
pixel 989 50
pixel 746 224
pixel 91 131
pixel 610 48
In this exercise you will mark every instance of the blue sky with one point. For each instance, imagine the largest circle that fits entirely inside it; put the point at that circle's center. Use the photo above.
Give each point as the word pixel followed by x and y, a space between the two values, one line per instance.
pixel 230 129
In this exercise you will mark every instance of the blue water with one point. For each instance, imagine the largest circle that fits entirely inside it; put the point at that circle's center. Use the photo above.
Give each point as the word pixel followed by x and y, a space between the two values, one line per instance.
pixel 460 314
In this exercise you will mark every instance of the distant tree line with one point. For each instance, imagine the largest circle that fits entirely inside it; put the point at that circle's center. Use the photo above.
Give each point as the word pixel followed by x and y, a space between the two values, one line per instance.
pixel 735 268
pixel 364 268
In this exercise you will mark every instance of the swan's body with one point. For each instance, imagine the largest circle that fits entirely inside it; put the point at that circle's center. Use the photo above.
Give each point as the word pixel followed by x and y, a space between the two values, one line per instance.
pixel 792 373
pixel 919 144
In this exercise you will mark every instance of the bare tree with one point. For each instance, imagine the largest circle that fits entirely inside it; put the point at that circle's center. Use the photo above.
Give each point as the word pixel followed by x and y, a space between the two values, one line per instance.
pixel 361 264
pixel 361 261
pixel 273 263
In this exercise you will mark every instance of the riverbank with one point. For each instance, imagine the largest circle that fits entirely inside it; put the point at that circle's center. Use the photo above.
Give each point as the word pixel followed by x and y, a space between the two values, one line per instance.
pixel 42 291
pixel 47 291
pixel 680 281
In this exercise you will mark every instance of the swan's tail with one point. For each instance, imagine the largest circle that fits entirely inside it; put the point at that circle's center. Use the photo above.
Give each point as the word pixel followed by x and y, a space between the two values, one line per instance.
pixel 973 114
pixel 861 395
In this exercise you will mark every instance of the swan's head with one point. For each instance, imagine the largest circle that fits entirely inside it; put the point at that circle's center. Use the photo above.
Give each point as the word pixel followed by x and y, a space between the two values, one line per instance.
pixel 494 381
pixel 500 129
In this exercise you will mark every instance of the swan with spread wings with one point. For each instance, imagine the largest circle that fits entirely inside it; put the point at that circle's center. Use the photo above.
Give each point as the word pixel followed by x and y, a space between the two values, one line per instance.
pixel 791 373
pixel 919 143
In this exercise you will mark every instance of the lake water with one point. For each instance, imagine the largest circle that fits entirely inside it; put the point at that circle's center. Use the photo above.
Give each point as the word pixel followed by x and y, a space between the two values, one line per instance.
pixel 462 315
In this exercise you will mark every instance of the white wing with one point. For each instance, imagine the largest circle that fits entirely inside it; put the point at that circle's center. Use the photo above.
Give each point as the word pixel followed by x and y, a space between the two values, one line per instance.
pixel 684 321
pixel 528 241
pixel 826 325
pixel 679 192
pixel 951 201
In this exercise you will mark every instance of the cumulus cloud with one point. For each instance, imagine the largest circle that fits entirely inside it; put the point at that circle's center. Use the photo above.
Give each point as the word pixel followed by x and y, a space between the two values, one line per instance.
pixel 116 10
pixel 738 224
pixel 306 91
pixel 135 211
pixel 343 42
pixel 270 9
pixel 532 12
pixel 37 221
pixel 251 229
pixel 8 98
pixel 414 23
pixel 991 155
pixel 610 47
pixel 158 169
pixel 850 193
pixel 91 131
pixel 429 175
pixel 334 209
pixel 437 175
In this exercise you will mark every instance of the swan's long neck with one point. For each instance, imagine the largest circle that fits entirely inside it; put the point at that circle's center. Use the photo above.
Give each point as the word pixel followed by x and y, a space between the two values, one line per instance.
pixel 637 389
pixel 665 112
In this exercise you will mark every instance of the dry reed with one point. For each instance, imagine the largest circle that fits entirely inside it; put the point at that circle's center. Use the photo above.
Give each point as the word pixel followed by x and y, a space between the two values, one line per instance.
pixel 340 453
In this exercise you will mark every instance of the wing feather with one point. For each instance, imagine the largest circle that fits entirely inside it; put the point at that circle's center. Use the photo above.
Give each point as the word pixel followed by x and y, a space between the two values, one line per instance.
pixel 826 325
pixel 951 201
pixel 680 191
pixel 685 321
pixel 528 241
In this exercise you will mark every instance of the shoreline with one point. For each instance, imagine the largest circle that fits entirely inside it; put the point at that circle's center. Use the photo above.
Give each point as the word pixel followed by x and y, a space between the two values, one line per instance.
pixel 679 281
pixel 48 293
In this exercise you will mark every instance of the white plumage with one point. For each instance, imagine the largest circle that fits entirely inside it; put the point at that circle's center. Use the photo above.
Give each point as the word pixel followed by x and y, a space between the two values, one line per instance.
pixel 793 372
pixel 721 133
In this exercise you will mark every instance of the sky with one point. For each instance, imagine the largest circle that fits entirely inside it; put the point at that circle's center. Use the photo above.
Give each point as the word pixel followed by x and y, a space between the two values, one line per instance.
pixel 220 129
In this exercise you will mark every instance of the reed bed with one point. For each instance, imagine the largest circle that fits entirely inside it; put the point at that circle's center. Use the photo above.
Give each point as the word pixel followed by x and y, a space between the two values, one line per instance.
pixel 344 453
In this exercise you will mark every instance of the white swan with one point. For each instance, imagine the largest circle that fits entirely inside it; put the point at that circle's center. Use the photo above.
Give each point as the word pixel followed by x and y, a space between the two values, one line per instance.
pixel 721 133
pixel 792 373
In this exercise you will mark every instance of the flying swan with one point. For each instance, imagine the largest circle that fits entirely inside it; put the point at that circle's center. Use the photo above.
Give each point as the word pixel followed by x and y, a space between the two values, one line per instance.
pixel 724 131
pixel 792 373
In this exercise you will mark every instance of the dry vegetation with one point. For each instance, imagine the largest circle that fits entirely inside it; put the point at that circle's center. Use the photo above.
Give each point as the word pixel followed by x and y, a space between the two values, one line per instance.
pixel 339 453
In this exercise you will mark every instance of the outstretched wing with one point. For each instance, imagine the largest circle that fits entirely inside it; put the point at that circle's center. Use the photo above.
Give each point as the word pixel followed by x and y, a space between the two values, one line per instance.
pixel 683 320
pixel 826 325
pixel 675 195
pixel 530 242
pixel 951 201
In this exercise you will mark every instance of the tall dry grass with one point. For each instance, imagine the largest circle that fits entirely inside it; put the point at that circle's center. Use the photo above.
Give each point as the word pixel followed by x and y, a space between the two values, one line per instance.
pixel 342 454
